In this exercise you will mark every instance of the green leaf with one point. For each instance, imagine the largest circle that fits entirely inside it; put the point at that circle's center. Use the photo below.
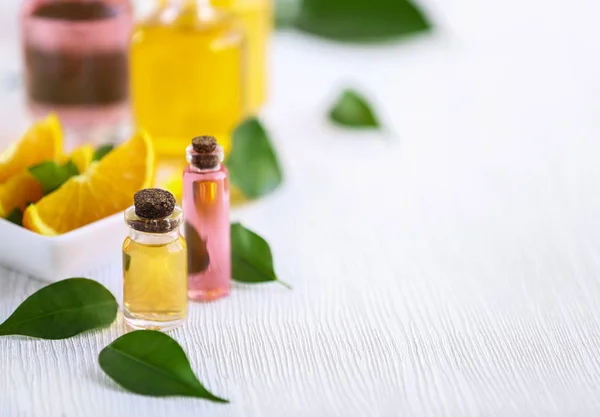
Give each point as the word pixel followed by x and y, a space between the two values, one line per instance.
pixel 353 110
pixel 253 165
pixel 286 13
pixel 148 362
pixel 63 309
pixel 51 175
pixel 15 216
pixel 251 259
pixel 361 20
pixel 101 151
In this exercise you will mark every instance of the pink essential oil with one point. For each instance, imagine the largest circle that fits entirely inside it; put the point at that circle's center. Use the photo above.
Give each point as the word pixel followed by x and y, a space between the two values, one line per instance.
pixel 76 62
pixel 206 211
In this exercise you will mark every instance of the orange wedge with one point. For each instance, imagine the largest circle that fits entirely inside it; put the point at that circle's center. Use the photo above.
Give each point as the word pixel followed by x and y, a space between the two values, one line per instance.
pixel 42 142
pixel 106 188
pixel 82 157
pixel 19 190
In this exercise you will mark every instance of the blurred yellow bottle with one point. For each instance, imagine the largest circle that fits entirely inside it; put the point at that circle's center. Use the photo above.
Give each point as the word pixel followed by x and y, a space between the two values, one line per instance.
pixel 187 74
pixel 256 17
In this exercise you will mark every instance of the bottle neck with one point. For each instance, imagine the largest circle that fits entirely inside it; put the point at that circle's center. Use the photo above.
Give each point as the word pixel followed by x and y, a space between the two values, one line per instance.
pixel 153 239
pixel 186 3
pixel 204 162
pixel 153 231
pixel 188 12
pixel 194 168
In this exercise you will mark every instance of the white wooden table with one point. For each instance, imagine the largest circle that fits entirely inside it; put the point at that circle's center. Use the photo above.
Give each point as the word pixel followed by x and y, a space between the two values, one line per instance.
pixel 453 271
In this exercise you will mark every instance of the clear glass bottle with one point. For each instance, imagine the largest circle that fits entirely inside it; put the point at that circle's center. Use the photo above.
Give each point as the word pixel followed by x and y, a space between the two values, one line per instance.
pixel 76 64
pixel 187 63
pixel 256 17
pixel 206 209
pixel 154 270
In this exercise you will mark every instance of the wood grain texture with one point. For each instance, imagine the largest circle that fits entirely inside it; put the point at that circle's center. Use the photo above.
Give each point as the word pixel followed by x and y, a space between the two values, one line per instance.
pixel 452 271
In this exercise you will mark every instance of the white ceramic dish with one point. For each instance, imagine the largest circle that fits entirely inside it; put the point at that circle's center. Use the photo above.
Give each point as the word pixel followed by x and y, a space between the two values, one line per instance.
pixel 58 257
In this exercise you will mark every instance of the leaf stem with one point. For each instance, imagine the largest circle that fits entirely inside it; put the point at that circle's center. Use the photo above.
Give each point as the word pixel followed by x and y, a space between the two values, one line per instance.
pixel 285 284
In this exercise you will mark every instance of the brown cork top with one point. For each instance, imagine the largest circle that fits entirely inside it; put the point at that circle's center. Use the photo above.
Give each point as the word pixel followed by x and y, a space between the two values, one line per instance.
pixel 204 144
pixel 205 155
pixel 153 203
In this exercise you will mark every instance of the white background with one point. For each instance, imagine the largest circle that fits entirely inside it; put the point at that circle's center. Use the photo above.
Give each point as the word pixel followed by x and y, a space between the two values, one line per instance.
pixel 452 269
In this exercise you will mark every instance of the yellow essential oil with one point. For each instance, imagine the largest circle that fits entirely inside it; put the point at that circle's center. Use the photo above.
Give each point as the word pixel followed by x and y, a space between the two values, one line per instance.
pixel 154 263
pixel 256 17
pixel 187 65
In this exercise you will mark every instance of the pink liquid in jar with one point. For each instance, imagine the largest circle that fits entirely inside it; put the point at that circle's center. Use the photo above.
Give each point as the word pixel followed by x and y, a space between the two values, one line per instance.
pixel 206 211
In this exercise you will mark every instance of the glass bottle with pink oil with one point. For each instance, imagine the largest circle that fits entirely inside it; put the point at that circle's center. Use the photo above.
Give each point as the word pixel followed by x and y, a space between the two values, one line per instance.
pixel 76 63
pixel 206 211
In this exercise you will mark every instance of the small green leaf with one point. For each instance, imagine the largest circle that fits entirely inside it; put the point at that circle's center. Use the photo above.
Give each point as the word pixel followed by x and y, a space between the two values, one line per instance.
pixel 101 151
pixel 15 216
pixel 51 175
pixel 151 363
pixel 251 258
pixel 361 20
pixel 253 165
pixel 353 110
pixel 63 309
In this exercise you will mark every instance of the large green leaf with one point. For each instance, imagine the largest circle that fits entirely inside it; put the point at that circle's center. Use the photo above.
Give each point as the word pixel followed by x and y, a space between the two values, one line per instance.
pixel 253 165
pixel 251 259
pixel 361 20
pixel 63 309
pixel 151 363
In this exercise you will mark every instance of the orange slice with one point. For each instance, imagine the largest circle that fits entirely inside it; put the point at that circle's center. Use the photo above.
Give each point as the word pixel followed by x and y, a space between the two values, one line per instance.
pixel 19 190
pixel 82 157
pixel 42 142
pixel 106 188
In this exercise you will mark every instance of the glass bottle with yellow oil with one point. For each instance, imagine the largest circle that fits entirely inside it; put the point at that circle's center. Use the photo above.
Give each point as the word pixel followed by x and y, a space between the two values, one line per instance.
pixel 256 18
pixel 187 65
pixel 154 263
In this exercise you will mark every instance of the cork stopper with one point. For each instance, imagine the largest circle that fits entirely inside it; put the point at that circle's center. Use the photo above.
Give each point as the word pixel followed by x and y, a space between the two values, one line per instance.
pixel 205 152
pixel 153 203
pixel 204 144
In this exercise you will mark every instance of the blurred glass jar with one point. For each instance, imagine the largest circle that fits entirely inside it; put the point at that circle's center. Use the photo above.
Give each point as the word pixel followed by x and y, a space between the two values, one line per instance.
pixel 256 18
pixel 76 63
pixel 187 66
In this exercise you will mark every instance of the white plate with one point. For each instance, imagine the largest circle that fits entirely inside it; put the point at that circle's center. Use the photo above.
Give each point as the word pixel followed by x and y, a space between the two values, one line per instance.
pixel 59 257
